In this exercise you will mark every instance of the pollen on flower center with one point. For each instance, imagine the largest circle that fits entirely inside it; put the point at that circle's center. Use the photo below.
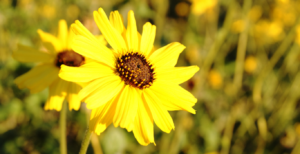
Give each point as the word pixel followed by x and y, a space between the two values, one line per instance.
pixel 134 70
pixel 69 58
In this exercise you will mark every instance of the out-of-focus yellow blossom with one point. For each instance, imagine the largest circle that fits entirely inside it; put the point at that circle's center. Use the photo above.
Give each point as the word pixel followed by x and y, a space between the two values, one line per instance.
pixel 201 6
pixel 284 13
pixel 268 32
pixel 214 152
pixel 238 26
pixel 298 34
pixel 192 53
pixel 182 9
pixel 297 128
pixel 255 13
pixel 73 11
pixel 48 11
pixel 215 79
pixel 24 3
pixel 250 64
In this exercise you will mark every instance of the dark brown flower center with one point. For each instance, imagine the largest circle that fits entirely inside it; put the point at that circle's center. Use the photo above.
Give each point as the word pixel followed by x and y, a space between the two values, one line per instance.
pixel 69 58
pixel 134 70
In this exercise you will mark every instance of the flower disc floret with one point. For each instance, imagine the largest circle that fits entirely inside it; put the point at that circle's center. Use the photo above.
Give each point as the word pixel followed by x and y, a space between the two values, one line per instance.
pixel 69 58
pixel 134 70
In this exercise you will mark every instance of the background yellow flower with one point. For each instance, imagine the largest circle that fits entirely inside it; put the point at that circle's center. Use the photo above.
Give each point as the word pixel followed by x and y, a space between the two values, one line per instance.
pixel 45 74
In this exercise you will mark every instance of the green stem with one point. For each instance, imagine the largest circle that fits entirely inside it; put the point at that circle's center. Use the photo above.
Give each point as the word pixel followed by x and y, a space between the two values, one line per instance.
pixel 86 141
pixel 62 129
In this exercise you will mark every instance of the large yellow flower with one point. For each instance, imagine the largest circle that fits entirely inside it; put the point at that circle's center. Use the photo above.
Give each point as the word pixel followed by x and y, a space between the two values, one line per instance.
pixel 46 73
pixel 130 85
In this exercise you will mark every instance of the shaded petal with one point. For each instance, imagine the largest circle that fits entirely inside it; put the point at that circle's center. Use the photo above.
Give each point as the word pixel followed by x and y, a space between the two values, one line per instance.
pixel 71 35
pixel 102 116
pixel 57 93
pixel 116 21
pixel 148 37
pixel 160 115
pixel 90 49
pixel 79 29
pixel 101 90
pixel 72 96
pixel 112 36
pixel 47 37
pixel 166 56
pixel 143 124
pixel 173 96
pixel 126 108
pixel 131 33
pixel 85 73
pixel 177 75
pixel 38 78
pixel 63 33
pixel 28 54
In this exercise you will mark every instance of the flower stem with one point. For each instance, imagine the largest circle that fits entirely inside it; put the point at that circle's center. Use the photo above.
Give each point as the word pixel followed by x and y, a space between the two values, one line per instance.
pixel 86 141
pixel 62 129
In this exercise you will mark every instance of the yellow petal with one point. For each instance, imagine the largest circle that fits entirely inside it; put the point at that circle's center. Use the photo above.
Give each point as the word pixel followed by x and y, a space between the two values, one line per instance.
pixel 46 37
pixel 70 39
pixel 90 49
pixel 38 78
pixel 79 29
pixel 143 124
pixel 63 32
pixel 57 93
pixel 160 115
pixel 173 96
pixel 166 56
pixel 126 108
pixel 101 90
pixel 147 39
pixel 102 116
pixel 72 96
pixel 112 36
pixel 28 54
pixel 85 73
pixel 131 33
pixel 177 75
pixel 116 21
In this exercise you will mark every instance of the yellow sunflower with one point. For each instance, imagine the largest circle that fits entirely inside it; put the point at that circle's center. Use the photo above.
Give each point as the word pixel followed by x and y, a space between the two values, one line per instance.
pixel 46 73
pixel 130 85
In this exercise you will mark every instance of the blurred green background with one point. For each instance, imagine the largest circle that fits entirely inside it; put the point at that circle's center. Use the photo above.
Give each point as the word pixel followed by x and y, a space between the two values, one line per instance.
pixel 248 86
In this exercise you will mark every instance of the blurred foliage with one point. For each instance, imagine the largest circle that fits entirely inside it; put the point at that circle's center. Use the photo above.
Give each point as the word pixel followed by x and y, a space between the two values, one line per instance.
pixel 247 89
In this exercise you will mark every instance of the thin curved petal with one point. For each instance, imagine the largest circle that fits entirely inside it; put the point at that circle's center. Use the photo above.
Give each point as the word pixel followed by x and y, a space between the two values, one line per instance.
pixel 148 37
pixel 63 32
pixel 38 78
pixel 70 39
pixel 160 115
pixel 28 54
pixel 85 73
pixel 131 33
pixel 57 93
pixel 101 90
pixel 126 108
pixel 102 116
pixel 112 36
pixel 87 48
pixel 173 96
pixel 166 56
pixel 177 75
pixel 143 124
pixel 49 38
pixel 72 96
pixel 116 21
